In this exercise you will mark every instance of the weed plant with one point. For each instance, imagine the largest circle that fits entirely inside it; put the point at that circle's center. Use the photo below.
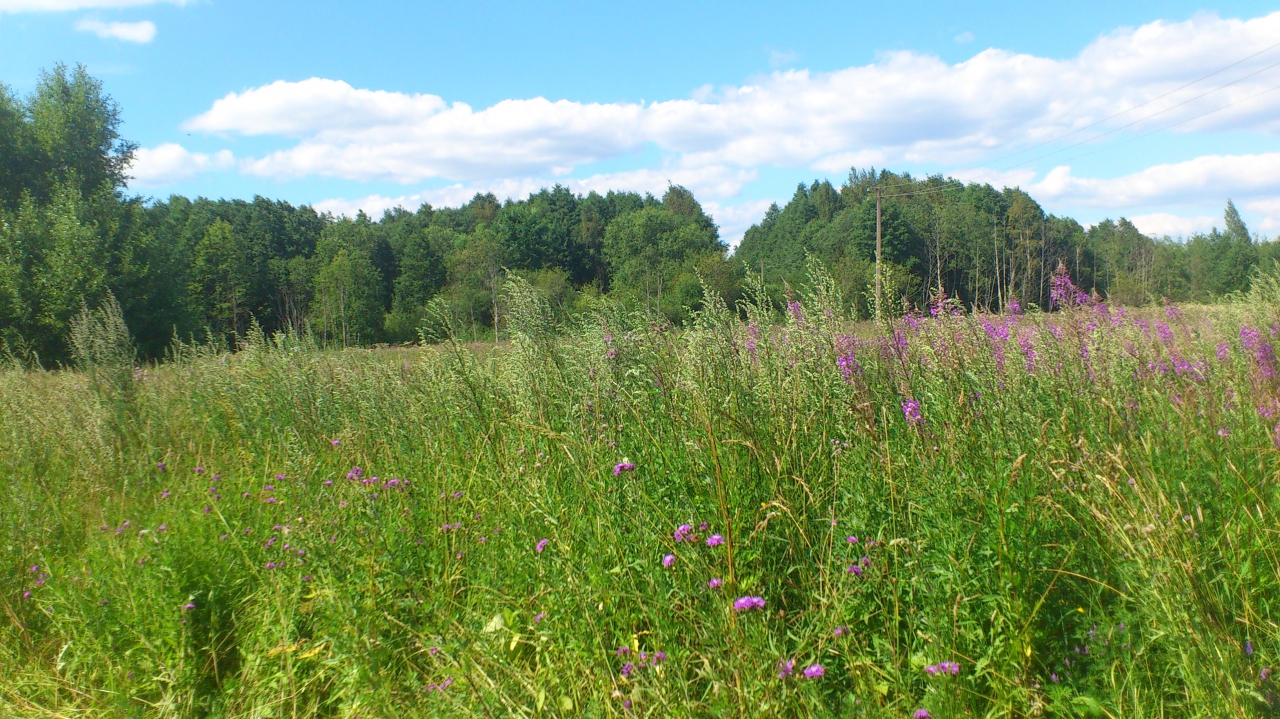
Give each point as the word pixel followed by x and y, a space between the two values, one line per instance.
pixel 1030 514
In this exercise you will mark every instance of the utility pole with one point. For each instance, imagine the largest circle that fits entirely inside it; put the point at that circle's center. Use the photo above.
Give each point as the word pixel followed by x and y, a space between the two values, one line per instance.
pixel 878 250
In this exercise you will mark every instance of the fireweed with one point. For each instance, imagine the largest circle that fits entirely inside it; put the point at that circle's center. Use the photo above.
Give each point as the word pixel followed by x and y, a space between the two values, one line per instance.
pixel 1052 512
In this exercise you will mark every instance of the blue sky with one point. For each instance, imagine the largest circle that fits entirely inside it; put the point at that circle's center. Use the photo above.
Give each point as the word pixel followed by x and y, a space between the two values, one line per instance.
pixel 368 105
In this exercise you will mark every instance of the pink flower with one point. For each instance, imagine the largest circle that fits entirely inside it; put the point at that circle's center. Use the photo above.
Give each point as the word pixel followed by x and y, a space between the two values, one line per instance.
pixel 541 545
pixel 813 671
pixel 714 583
pixel 715 540
pixel 668 560
pixel 746 604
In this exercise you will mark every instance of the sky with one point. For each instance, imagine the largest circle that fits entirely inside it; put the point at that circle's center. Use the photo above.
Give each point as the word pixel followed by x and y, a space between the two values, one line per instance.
pixel 1158 112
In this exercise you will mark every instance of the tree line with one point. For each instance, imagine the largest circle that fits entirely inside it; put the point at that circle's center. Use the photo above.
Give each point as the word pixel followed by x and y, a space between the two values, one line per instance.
pixel 71 235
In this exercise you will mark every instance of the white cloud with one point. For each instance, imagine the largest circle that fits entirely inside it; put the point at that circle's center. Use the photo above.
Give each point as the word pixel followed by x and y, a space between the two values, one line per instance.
pixel 1209 177
pixel 1161 224
pixel 140 32
pixel 16 6
pixel 170 163
pixel 905 107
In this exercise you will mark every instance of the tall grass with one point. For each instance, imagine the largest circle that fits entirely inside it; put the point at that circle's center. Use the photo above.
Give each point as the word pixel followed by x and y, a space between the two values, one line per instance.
pixel 1029 515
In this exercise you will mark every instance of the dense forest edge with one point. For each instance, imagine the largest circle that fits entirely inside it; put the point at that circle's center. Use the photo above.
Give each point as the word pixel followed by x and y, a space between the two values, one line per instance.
pixel 72 236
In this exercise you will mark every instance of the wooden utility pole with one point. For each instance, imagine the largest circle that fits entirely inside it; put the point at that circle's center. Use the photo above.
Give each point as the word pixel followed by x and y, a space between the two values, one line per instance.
pixel 878 249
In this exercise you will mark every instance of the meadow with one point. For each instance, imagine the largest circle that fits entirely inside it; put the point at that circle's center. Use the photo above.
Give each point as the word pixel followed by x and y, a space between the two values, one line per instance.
pixel 769 512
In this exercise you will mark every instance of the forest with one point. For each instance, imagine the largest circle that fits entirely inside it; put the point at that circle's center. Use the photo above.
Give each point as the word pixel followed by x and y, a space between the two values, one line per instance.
pixel 72 233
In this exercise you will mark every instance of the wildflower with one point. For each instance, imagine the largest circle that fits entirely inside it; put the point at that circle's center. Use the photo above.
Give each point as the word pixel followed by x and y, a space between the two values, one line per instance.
pixel 627 669
pixel 539 617
pixel 208 509
pixel 911 410
pixel 26 594
pixel 457 494
pixel 715 540
pixel 682 533
pixel 306 577
pixel 746 604
pixel 164 495
pixel 851 539
pixel 342 504
pixel 841 631
pixel 813 671
pixel 223 537
pixel 328 483
pixel 668 560
pixel 336 442
pixel 1265 674
pixel 855 570
pixel 1223 349
pixel 279 477
pixel 1223 431
pixel 162 528
pixel 160 466
pixel 541 545
pixel 188 606
pixel 714 583
pixel 622 650
pixel 921 714
pixel 199 470
pixel 623 466
pixel 786 667
pixel 1248 648
pixel 270 500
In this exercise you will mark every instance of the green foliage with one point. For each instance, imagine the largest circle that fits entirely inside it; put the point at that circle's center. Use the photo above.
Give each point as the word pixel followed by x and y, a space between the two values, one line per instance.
pixel 1083 533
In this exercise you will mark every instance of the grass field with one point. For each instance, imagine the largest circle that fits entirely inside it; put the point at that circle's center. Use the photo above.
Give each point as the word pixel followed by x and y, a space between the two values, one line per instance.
pixel 1066 514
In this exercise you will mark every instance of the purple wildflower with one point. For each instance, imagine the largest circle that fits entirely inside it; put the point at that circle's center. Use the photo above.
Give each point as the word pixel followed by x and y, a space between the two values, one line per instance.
pixel 162 528
pixel 160 466
pixel 855 570
pixel 1223 349
pixel 627 669
pixel 841 631
pixel 164 494
pixel 541 545
pixel 336 442
pixel 786 668
pixel 1248 648
pixel 188 606
pixel 921 714
pixel 668 560
pixel 715 540
pixel 911 410
pixel 813 671
pixel 1265 674
pixel 539 617
pixel 457 494
pixel 746 604
pixel 623 466
pixel 681 533
pixel 714 583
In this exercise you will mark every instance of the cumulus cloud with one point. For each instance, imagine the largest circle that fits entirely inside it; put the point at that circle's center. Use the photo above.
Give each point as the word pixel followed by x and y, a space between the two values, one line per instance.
pixel 905 107
pixel 1164 224
pixel 1181 183
pixel 140 32
pixel 17 6
pixel 170 163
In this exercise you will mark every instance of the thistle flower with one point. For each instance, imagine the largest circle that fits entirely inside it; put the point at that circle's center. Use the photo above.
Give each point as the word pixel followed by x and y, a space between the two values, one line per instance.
pixel 855 570
pixel 746 604
pixel 160 466
pixel 921 714
pixel 681 533
pixel 336 442
pixel 541 545
pixel 715 540
pixel 668 560
pixel 851 540
pixel 714 583
pixel 623 466
pixel 813 671
pixel 627 669
pixel 786 668
pixel 188 606
pixel 164 495
pixel 841 631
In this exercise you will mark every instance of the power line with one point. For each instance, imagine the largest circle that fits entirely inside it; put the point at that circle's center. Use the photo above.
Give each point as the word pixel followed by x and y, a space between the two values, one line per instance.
pixel 1148 117
pixel 1135 107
